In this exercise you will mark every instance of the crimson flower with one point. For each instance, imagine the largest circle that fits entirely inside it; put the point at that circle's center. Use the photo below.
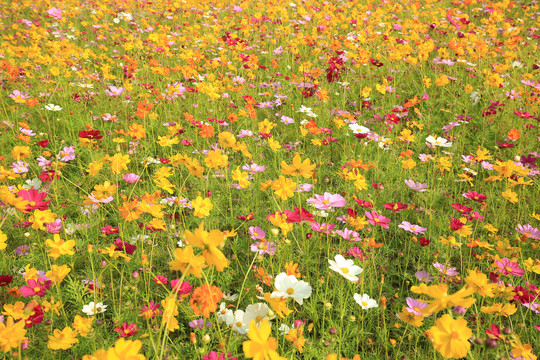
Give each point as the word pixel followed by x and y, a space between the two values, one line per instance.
pixel 126 330
pixel 396 207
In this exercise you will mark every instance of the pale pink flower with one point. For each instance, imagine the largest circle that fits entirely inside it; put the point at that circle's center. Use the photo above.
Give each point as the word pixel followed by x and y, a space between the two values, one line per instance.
pixel 415 229
pixel 326 201
pixel 55 13
pixel 131 178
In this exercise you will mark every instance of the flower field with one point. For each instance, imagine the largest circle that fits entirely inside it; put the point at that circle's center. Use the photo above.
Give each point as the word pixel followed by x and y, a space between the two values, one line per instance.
pixel 223 180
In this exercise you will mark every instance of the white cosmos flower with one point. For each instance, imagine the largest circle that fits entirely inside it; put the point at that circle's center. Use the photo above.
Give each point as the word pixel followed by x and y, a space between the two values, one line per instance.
pixel 52 107
pixel 257 312
pixel 365 301
pixel 93 308
pixel 439 141
pixel 345 267
pixel 237 322
pixel 288 286
pixel 225 315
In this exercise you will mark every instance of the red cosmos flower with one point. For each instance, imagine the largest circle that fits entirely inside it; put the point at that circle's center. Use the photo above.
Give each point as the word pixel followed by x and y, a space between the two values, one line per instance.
pixel 5 280
pixel 35 198
pixel 473 195
pixel 352 213
pixel 505 145
pixel 299 215
pixel 36 314
pixel 249 217
pixel 108 230
pixel 43 143
pixel 455 224
pixel 461 208
pixel 424 241
pixel 48 175
pixel 494 333
pixel 36 287
pixel 364 204
pixel 126 330
pixel 90 134
pixel 522 295
pixel 124 246
pixel 396 207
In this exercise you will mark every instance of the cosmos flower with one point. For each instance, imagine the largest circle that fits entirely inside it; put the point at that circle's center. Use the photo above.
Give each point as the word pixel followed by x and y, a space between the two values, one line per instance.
pixel 345 267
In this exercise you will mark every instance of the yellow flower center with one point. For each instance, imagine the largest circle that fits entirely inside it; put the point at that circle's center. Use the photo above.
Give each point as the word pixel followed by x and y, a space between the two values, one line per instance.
pixel 364 303
pixel 454 335
pixel 239 323
pixel 37 288
pixel 376 220
pixel 290 291
pixel 344 270
pixel 325 202
pixel 258 318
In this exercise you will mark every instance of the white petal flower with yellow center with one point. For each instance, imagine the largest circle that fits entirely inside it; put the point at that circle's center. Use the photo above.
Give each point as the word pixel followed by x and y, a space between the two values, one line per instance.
pixel 345 268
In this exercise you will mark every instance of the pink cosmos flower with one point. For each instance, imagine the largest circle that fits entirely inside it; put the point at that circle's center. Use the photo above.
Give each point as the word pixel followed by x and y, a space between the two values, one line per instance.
pixel 131 178
pixel 304 188
pixel 253 168
pixel 55 13
pixel 54 227
pixel 264 247
pixel 19 97
pixel 415 229
pixel 507 267
pixel 36 287
pixel 444 270
pixel 326 201
pixel 322 228
pixel 114 91
pixel 35 200
pixel 348 234
pixel 415 306
pixel 473 195
pixel 529 231
pixel 181 288
pixel 376 219
pixel 416 186
pixel 67 154
pixel 256 233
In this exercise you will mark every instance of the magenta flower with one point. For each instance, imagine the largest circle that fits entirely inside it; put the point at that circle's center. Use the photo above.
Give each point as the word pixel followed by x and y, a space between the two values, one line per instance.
pixel 35 199
pixel 507 267
pixel 182 288
pixel 415 229
pixel 36 287
pixel 376 219
pixel 327 201
pixel 256 233
pixel 54 227
pixel 473 195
